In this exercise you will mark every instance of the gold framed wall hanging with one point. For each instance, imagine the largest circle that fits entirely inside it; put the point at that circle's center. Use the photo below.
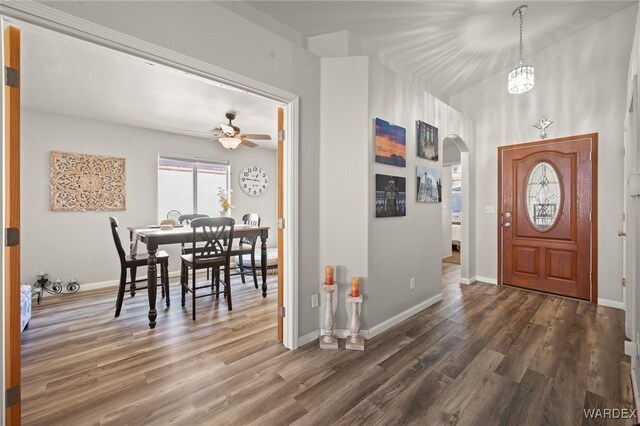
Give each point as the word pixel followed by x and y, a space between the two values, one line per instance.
pixel 83 182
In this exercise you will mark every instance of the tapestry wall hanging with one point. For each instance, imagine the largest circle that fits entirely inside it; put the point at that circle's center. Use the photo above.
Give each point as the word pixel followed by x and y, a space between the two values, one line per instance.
pixel 81 182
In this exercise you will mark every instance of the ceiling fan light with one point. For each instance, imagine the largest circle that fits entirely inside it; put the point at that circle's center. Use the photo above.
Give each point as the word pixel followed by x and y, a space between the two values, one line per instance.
pixel 230 143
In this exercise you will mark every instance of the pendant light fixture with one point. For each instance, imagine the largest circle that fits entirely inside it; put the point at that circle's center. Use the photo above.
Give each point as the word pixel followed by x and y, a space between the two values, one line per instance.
pixel 521 79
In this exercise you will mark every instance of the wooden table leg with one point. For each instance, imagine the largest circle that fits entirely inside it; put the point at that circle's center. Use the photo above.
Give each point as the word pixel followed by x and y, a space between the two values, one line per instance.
pixel 152 288
pixel 263 263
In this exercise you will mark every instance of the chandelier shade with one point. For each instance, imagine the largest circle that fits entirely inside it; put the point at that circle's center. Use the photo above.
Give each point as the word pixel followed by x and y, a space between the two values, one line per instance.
pixel 521 79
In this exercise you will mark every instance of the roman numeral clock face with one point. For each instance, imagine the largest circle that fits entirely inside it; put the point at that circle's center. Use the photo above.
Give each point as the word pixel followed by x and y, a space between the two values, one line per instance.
pixel 253 180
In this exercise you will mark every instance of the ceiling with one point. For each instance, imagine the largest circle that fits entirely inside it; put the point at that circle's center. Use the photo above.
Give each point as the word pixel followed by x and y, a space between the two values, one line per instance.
pixel 448 45
pixel 67 76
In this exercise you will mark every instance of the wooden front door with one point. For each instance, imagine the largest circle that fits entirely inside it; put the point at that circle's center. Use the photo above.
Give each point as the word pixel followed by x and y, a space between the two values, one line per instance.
pixel 547 238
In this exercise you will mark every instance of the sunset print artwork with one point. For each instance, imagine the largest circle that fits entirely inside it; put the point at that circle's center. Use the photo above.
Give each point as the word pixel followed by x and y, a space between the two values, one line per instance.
pixel 391 144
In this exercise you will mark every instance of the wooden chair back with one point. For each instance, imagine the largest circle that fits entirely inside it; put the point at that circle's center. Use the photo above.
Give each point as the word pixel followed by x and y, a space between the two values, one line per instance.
pixel 186 219
pixel 217 231
pixel 251 219
pixel 116 239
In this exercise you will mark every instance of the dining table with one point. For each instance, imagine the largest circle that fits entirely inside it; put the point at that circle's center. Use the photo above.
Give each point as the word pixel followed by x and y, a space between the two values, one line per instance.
pixel 155 236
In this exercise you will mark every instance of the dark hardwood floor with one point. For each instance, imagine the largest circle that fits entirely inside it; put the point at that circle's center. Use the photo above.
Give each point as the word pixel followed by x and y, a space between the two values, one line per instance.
pixel 484 355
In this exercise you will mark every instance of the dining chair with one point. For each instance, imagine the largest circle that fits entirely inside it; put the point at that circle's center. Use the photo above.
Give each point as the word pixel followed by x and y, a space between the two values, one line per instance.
pixel 215 254
pixel 132 262
pixel 247 247
pixel 185 220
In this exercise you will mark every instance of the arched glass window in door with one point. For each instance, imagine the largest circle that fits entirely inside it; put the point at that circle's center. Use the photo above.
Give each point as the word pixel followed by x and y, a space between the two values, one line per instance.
pixel 543 195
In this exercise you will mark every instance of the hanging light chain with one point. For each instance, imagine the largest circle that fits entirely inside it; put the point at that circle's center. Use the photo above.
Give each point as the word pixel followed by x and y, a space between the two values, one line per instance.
pixel 520 14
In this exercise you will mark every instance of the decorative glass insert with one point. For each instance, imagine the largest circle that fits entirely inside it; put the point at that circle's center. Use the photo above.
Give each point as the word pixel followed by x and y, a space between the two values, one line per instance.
pixel 543 195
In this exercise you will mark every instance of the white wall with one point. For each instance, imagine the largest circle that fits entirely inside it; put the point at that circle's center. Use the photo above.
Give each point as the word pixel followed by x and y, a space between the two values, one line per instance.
pixel 211 33
pixel 402 248
pixel 633 203
pixel 580 86
pixel 394 249
pixel 79 244
pixel 344 177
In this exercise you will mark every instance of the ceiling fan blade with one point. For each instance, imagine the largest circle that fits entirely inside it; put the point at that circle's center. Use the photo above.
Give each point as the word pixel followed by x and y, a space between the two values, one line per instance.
pixel 248 143
pixel 257 137
pixel 227 129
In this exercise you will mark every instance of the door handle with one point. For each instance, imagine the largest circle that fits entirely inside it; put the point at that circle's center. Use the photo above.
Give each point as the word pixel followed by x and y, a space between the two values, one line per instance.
pixel 622 234
pixel 507 225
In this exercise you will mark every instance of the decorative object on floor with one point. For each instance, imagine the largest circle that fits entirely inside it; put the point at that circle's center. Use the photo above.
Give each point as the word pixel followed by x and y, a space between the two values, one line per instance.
pixel 224 202
pixel 521 79
pixel 355 341
pixel 253 180
pixel 328 332
pixel 82 182
pixel 391 144
pixel 427 140
pixel 542 125
pixel 391 196
pixel 428 184
pixel 43 284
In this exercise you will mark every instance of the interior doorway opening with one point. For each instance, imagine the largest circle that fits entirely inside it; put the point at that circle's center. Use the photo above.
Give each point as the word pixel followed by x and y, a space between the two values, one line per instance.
pixel 455 211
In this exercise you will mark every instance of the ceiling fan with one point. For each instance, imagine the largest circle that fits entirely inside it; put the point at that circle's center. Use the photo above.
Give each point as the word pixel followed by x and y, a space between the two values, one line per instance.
pixel 230 137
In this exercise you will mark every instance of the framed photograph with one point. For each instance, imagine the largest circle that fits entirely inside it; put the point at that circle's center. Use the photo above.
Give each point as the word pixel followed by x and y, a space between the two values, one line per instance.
pixel 428 184
pixel 427 140
pixel 391 144
pixel 391 196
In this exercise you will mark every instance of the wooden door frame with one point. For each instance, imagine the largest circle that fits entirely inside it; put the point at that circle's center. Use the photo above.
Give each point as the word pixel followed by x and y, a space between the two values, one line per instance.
pixel 41 17
pixel 594 202
pixel 11 219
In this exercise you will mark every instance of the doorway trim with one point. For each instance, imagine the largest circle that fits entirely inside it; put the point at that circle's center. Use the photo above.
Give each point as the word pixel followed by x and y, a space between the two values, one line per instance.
pixel 594 202
pixel 25 14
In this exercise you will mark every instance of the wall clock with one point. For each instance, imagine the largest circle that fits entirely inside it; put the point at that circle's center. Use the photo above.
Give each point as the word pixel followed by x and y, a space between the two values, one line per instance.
pixel 253 180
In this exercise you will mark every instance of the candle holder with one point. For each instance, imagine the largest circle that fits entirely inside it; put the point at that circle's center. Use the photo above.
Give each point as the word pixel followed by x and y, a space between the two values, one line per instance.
pixel 43 284
pixel 328 333
pixel 355 341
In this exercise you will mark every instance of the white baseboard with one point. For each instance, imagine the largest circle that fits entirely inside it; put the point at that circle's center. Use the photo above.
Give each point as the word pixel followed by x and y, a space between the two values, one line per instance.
pixel 309 337
pixel 375 330
pixel 611 303
pixel 114 283
pixel 468 280
pixel 486 280
pixel 342 333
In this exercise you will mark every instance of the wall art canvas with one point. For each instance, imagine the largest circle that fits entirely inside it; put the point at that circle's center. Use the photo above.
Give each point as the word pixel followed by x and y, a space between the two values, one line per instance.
pixel 429 185
pixel 391 196
pixel 427 140
pixel 82 182
pixel 391 144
